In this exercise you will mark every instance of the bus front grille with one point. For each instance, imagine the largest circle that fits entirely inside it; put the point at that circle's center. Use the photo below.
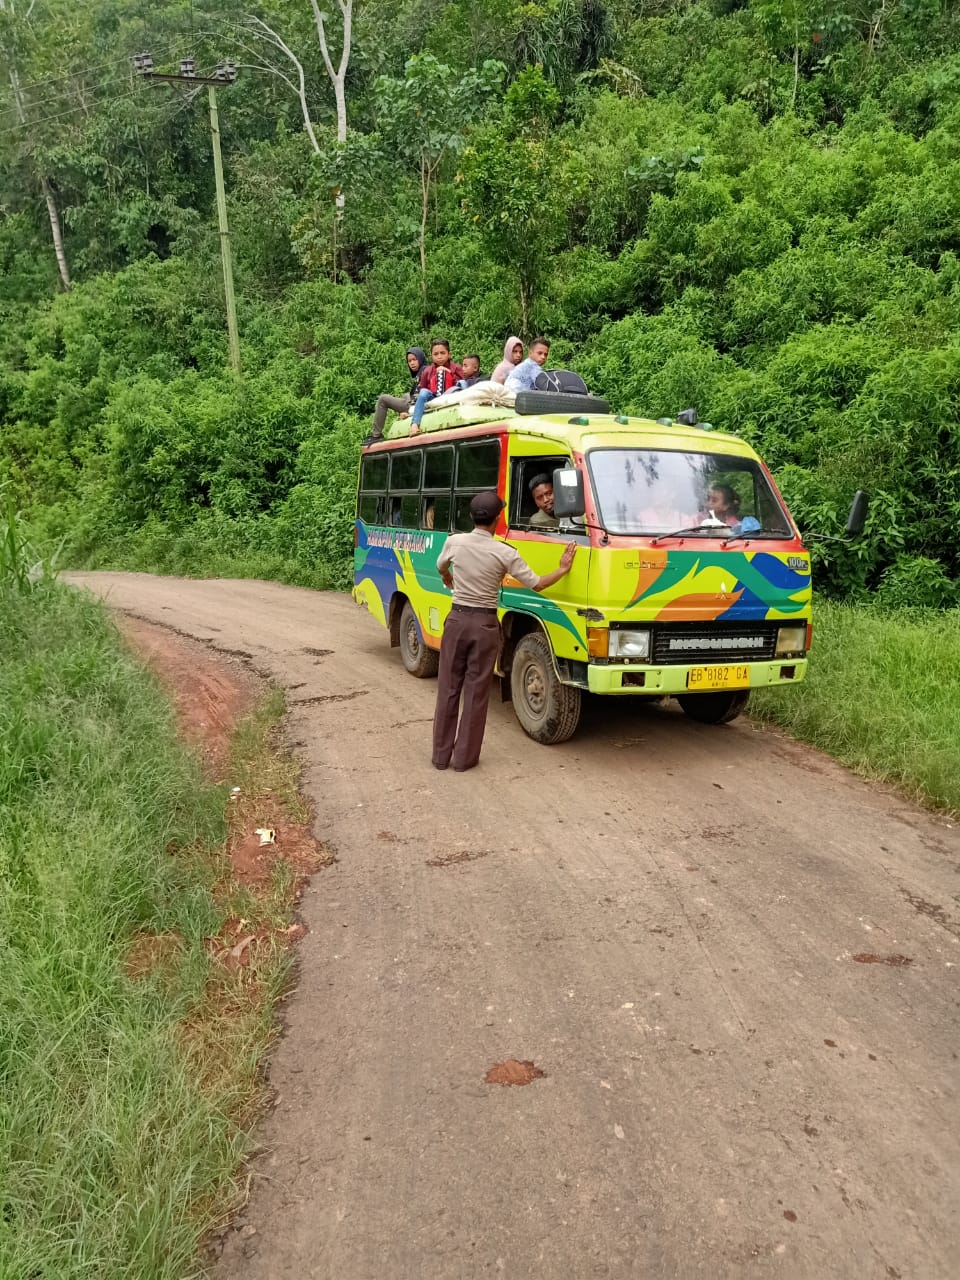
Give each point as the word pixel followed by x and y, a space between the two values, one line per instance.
pixel 710 642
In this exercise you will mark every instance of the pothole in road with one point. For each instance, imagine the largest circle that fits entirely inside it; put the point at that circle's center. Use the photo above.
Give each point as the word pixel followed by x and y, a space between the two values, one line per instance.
pixel 867 957
pixel 513 1072
pixel 452 859
pixel 327 697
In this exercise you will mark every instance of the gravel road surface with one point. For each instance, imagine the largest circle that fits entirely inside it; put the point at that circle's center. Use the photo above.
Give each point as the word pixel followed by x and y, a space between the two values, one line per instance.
pixel 735 964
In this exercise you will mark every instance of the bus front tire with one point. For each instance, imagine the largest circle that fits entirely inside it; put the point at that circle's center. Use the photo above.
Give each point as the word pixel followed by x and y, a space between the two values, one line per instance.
pixel 714 708
pixel 417 658
pixel 548 711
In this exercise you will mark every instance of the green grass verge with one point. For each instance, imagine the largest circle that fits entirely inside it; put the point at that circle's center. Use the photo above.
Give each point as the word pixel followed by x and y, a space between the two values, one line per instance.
pixel 108 1143
pixel 883 696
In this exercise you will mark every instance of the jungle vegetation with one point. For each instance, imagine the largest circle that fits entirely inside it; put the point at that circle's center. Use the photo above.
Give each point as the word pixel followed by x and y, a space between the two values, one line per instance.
pixel 750 206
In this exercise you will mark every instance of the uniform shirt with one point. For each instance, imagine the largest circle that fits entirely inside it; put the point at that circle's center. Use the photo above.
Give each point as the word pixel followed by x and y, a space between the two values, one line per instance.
pixel 480 563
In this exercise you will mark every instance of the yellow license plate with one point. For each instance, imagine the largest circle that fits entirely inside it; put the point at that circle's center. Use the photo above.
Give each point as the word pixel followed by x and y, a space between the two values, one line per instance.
pixel 731 677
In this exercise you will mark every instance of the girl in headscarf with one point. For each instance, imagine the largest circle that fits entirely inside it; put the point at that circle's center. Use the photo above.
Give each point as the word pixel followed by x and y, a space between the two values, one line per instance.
pixel 512 356
pixel 416 359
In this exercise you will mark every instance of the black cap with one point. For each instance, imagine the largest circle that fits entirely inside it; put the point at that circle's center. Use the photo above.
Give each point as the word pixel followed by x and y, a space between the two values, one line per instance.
pixel 485 507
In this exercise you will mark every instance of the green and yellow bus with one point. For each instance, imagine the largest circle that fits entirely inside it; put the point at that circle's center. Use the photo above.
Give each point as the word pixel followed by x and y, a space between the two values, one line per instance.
pixel 664 598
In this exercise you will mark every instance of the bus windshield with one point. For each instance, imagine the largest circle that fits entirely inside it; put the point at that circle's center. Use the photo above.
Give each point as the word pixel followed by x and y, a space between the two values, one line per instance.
pixel 661 491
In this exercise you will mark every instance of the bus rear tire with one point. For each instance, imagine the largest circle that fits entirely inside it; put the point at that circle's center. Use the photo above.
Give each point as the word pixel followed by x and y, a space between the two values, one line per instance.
pixel 417 658
pixel 548 711
pixel 714 708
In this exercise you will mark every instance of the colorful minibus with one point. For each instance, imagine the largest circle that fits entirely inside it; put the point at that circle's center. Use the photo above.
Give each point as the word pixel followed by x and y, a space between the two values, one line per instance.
pixel 691 579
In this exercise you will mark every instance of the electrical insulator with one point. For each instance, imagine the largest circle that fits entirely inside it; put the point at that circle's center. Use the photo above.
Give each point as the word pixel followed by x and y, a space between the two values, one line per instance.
pixel 142 63
pixel 188 67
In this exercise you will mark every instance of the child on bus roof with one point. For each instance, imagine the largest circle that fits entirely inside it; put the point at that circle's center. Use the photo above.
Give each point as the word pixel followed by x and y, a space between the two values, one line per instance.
pixel 471 373
pixel 416 362
pixel 512 355
pixel 436 379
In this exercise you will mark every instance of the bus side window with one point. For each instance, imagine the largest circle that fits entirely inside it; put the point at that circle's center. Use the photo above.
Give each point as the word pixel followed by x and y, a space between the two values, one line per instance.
pixel 436 512
pixel 462 523
pixel 371 508
pixel 372 500
pixel 409 511
pixel 478 468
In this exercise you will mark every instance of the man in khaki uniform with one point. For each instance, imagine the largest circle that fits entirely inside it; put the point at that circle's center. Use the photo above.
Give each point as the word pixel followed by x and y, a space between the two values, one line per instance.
pixel 471 634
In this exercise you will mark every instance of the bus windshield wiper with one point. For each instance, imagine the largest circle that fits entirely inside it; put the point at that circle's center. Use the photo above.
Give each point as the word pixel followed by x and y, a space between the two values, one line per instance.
pixel 757 533
pixel 694 528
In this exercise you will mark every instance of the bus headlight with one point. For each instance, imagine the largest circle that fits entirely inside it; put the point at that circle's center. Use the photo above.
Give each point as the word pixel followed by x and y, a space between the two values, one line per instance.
pixel 792 639
pixel 625 645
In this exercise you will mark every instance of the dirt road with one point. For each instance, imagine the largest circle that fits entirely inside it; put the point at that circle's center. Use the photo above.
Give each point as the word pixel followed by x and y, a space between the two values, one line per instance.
pixel 673 922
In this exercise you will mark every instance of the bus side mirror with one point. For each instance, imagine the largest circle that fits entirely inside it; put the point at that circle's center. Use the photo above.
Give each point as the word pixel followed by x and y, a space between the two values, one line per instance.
pixel 568 492
pixel 858 514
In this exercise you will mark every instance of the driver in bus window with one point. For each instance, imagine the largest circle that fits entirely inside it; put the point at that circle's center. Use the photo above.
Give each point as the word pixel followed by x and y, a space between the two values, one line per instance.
pixel 541 490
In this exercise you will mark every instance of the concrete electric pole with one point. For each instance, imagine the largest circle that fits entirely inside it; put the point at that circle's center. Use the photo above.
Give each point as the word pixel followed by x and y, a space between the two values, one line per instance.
pixel 225 73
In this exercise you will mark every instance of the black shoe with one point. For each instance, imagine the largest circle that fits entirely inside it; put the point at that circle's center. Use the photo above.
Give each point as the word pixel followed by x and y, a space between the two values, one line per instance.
pixel 370 439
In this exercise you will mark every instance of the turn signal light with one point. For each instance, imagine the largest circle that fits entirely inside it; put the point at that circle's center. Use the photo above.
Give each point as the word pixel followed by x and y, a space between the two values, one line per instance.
pixel 598 642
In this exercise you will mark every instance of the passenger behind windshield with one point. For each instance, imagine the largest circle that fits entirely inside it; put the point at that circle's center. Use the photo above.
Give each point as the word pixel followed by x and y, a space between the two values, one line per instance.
pixel 663 492
pixel 723 504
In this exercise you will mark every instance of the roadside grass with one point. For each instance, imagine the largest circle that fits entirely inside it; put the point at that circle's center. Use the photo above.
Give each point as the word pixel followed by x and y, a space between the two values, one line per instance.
pixel 124 1095
pixel 209 547
pixel 882 695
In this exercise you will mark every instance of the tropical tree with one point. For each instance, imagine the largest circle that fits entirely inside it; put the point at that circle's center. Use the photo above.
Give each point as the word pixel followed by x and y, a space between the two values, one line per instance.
pixel 424 117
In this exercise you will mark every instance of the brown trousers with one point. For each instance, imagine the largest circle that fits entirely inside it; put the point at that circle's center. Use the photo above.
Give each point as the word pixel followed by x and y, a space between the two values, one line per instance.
pixel 468 655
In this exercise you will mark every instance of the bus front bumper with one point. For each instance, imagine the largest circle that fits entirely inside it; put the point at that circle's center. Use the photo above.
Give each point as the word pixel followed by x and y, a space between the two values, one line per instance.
pixel 671 680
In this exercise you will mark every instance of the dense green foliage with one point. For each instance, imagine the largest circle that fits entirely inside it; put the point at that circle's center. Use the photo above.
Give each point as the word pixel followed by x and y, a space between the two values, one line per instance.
pixel 751 207
pixel 882 716
pixel 106 1141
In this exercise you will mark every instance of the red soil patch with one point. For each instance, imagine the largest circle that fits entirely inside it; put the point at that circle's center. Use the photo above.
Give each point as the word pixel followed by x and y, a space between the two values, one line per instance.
pixel 208 695
pixel 867 957
pixel 513 1072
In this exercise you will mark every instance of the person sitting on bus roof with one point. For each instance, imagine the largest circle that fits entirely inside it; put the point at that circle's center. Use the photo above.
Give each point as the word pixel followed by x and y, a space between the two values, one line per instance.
pixel 471 373
pixel 512 356
pixel 524 376
pixel 416 361
pixel 436 379
pixel 541 489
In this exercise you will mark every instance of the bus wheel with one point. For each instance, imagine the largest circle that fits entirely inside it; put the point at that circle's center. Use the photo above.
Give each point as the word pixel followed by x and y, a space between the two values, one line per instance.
pixel 548 710
pixel 417 658
pixel 714 708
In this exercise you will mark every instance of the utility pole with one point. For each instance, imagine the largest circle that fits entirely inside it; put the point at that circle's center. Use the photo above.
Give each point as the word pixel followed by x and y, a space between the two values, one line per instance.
pixel 225 73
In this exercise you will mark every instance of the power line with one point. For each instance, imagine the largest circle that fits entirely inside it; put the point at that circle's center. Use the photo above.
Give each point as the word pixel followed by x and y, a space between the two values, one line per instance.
pixel 85 71
pixel 72 111
pixel 39 104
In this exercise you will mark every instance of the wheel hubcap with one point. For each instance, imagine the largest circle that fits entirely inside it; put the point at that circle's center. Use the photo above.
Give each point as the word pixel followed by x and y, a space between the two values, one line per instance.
pixel 413 643
pixel 534 691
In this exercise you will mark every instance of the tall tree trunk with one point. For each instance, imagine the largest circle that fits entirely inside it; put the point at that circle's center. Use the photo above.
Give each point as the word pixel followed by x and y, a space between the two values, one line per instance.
pixel 52 211
pixel 338 78
pixel 57 234
pixel 424 209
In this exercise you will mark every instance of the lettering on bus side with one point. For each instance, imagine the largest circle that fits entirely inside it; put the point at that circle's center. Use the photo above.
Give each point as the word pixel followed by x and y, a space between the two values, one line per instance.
pixel 400 540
